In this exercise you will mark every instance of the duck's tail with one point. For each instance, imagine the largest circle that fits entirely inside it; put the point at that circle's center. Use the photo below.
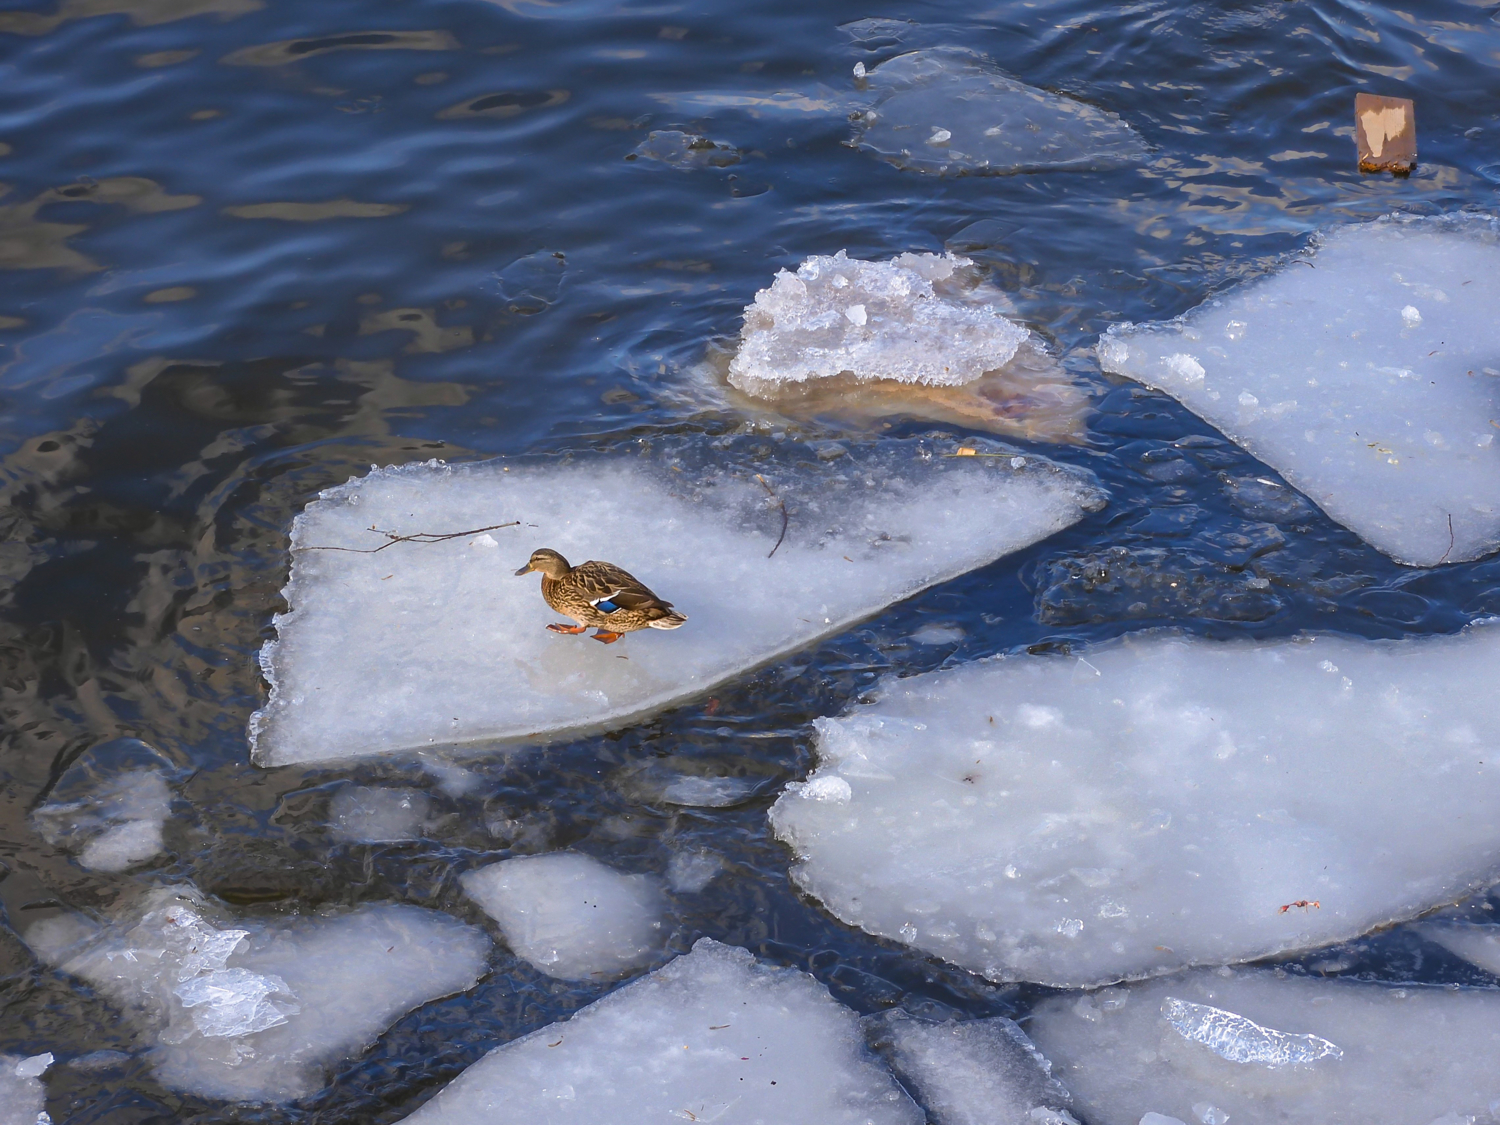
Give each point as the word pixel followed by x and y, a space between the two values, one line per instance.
pixel 671 619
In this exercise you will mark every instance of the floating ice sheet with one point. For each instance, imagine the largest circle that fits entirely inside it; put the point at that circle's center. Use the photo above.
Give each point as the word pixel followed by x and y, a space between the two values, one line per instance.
pixel 23 1098
pixel 949 110
pixel 977 1072
pixel 440 643
pixel 110 806
pixel 1367 373
pixel 712 1036
pixel 1156 802
pixel 255 1012
pixel 570 915
pixel 1284 1049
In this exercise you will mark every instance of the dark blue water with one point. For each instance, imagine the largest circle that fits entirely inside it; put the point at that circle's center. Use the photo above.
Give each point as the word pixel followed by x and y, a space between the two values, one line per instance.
pixel 248 249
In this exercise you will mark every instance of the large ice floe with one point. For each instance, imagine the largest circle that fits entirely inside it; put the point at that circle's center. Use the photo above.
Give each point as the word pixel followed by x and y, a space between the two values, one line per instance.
pixel 109 806
pixel 1219 1046
pixel 1367 372
pixel 255 1011
pixel 23 1098
pixel 570 915
pixel 712 1036
pixel 949 110
pixel 919 334
pixel 763 555
pixel 973 1072
pixel 1156 802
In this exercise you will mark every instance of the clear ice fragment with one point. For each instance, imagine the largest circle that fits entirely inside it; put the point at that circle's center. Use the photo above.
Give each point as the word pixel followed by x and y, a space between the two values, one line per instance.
pixel 1240 1040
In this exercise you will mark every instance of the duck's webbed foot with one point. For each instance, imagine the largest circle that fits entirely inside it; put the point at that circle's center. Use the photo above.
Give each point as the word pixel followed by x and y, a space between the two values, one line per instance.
pixel 606 637
pixel 574 630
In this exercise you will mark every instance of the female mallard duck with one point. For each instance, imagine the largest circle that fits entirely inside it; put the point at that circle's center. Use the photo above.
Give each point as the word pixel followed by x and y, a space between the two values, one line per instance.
pixel 601 595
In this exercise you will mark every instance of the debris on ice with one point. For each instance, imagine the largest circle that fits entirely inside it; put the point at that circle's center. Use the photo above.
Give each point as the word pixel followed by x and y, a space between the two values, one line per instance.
pixel 571 916
pixel 950 110
pixel 713 1036
pixel 1404 1054
pixel 429 645
pixel 1156 802
pixel 109 806
pixel 255 1012
pixel 1328 372
pixel 23 1097
pixel 378 815
pixel 975 1072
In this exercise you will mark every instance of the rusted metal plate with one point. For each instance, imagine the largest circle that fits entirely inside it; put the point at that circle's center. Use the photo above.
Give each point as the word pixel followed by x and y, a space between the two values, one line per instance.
pixel 1385 129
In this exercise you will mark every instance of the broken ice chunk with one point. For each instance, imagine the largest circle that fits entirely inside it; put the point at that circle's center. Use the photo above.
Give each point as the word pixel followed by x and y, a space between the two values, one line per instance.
pixel 375 815
pixel 977 1072
pixel 690 517
pixel 109 806
pixel 23 1097
pixel 1240 1040
pixel 256 1013
pixel 1406 1054
pixel 989 121
pixel 690 872
pixel 570 915
pixel 908 328
pixel 1479 945
pixel 711 1036
pixel 1170 808
pixel 1331 376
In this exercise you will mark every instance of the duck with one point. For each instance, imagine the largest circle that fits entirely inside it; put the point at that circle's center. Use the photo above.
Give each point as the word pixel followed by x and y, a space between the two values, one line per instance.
pixel 601 596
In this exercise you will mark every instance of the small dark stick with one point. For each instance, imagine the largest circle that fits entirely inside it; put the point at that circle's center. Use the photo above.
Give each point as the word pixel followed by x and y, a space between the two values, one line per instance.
pixel 1449 551
pixel 780 503
pixel 418 537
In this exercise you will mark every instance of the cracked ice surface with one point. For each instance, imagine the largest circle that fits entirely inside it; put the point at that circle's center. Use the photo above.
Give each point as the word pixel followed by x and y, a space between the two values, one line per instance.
pixel 1389 1055
pixel 949 110
pixel 570 915
pixel 298 996
pixel 1367 373
pixel 1154 803
pixel 911 320
pixel 689 517
pixel 713 1036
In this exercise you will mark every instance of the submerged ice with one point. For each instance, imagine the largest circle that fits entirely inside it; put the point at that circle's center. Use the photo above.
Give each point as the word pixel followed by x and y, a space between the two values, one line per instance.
pixel 255 1012
pixel 949 110
pixel 1367 373
pixel 974 1072
pixel 110 805
pixel 1156 802
pixel 1258 1045
pixel 712 1036
pixel 427 644
pixel 570 915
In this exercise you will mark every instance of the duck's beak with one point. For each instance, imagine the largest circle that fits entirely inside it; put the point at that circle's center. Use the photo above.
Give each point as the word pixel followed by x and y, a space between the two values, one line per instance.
pixel 524 570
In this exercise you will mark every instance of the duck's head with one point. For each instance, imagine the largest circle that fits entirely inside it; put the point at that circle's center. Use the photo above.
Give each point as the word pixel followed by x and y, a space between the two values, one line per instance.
pixel 548 561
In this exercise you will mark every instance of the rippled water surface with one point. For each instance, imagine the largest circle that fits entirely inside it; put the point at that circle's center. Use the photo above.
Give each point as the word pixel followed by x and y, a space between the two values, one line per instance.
pixel 250 248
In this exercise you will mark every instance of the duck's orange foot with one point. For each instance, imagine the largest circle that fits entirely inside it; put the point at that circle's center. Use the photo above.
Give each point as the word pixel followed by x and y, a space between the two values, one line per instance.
pixel 571 629
pixel 606 637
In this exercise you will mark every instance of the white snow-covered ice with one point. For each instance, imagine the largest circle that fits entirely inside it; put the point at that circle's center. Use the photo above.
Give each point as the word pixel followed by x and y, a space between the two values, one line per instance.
pixel 713 1036
pixel 378 815
pixel 973 1072
pixel 253 1011
pixel 1157 802
pixel 912 319
pixel 23 1097
pixel 1366 372
pixel 570 915
pixel 949 110
pixel 423 645
pixel 1256 1045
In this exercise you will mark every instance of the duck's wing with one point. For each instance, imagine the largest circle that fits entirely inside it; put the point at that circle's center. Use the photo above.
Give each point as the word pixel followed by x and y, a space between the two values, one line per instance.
pixel 609 588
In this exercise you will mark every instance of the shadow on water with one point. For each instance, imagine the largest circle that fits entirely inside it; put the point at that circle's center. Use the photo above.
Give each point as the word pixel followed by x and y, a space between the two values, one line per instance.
pixel 249 249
